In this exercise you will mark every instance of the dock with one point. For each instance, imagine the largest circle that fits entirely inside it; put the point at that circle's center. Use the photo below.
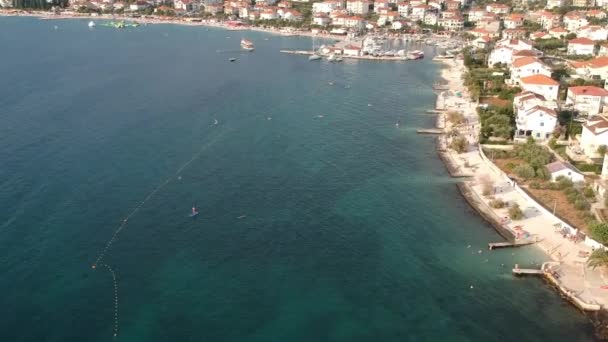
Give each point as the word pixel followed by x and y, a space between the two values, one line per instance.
pixel 366 57
pixel 527 271
pixel 429 131
pixel 495 245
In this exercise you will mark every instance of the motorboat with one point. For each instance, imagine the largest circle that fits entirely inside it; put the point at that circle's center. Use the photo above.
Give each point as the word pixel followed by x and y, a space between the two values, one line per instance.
pixel 91 24
pixel 247 45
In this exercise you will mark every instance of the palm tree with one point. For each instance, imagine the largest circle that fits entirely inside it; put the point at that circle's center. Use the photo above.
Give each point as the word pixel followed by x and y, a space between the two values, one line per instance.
pixel 598 258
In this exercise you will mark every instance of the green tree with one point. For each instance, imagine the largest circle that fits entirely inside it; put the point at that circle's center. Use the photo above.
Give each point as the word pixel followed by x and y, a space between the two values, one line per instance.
pixel 524 171
pixel 599 258
pixel 601 149
pixel 599 232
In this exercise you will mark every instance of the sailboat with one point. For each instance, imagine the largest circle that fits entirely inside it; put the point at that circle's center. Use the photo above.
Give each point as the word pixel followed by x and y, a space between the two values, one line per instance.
pixel 315 56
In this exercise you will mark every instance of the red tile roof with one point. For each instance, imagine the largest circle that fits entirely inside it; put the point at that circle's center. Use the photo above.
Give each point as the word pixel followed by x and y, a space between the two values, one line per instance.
pixel 588 90
pixel 581 41
pixel 539 80
pixel 524 61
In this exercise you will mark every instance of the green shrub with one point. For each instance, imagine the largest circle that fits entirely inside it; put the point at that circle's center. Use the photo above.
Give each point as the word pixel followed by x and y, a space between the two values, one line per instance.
pixel 459 144
pixel 515 212
pixel 588 192
pixel 542 173
pixel 510 166
pixel 581 204
pixel 524 171
pixel 572 197
pixel 497 203
pixel 599 232
pixel 570 191
pixel 552 142
pixel 564 182
pixel 535 185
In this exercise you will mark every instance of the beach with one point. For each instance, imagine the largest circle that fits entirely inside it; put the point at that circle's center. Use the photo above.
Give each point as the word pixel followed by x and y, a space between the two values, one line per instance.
pixel 578 283
pixel 154 20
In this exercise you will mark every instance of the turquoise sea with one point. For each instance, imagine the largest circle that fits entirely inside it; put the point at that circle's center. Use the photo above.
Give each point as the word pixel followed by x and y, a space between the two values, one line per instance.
pixel 319 219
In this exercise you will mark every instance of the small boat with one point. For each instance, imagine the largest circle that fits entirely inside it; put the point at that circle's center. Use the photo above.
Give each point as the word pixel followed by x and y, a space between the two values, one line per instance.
pixel 314 57
pixel 91 24
pixel 397 124
pixel 331 57
pixel 337 59
pixel 215 122
pixel 232 59
pixel 247 45
pixel 194 212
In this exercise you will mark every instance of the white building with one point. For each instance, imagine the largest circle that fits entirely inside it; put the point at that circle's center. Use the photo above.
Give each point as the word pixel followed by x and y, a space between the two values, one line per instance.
pixel 528 66
pixel 403 8
pixel 321 19
pixel 555 4
pixel 358 6
pixel 498 8
pixel 419 11
pixel 326 6
pixel 574 20
pixel 595 134
pixel 558 168
pixel 558 32
pixel 587 99
pixel 526 100
pixel 513 21
pixel 542 85
pixel 451 24
pixel 593 32
pixel 351 50
pixel 537 122
pixel 581 46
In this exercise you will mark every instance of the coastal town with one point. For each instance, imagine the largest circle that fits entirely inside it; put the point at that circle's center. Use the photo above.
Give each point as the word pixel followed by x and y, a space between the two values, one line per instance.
pixel 522 107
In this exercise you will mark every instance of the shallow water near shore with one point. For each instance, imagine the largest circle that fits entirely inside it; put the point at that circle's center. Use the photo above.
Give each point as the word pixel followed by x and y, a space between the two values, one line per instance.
pixel 319 219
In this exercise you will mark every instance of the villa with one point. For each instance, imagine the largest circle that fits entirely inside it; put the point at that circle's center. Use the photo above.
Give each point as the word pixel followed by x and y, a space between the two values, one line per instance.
pixel 587 100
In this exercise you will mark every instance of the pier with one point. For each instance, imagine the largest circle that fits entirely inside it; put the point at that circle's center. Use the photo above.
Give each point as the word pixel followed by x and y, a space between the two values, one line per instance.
pixel 495 245
pixel 527 271
pixel 429 131
pixel 367 57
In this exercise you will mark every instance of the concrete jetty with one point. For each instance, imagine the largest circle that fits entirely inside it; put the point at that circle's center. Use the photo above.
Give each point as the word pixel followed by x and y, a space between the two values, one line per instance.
pixel 527 271
pixel 429 131
pixel 495 245
pixel 367 57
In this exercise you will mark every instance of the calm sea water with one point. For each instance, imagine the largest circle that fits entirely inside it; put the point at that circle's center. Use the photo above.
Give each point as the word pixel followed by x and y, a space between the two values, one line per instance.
pixel 319 219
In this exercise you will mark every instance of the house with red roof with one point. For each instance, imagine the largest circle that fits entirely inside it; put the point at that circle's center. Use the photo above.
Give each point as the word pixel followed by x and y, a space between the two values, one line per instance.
pixel 482 42
pixel 476 13
pixel 539 36
pixel 498 8
pixel 581 46
pixel 558 32
pixel 596 13
pixel 549 20
pixel 587 100
pixel 514 21
pixel 575 20
pixel 594 135
pixel 514 33
pixel 542 85
pixel 528 66
pixel 593 32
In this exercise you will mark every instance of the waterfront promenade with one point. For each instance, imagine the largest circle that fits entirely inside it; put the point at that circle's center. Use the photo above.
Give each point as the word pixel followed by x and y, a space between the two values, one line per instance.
pixel 574 279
